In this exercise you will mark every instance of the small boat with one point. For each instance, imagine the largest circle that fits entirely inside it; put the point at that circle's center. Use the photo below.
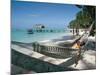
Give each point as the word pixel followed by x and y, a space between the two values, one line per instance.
pixel 30 31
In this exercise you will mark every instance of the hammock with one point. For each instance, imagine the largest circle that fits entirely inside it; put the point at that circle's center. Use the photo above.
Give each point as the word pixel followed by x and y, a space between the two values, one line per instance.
pixel 84 38
pixel 61 51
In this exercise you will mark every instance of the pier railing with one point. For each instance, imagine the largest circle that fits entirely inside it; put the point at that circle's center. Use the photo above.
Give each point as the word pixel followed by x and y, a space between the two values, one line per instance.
pixel 49 30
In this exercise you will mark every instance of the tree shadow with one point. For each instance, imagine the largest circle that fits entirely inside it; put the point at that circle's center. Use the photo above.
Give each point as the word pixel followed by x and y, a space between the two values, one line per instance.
pixel 70 61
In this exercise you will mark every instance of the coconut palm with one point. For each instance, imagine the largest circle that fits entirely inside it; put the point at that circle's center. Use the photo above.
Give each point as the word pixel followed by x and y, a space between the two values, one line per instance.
pixel 84 18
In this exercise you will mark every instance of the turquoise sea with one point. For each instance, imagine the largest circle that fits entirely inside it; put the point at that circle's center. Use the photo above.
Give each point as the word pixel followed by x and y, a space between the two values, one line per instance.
pixel 23 36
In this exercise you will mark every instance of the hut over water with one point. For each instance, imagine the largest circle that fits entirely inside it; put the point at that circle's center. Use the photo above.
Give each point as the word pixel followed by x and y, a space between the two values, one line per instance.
pixel 39 28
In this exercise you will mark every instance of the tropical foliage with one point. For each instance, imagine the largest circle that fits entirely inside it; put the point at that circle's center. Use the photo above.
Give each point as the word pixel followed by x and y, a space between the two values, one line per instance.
pixel 84 18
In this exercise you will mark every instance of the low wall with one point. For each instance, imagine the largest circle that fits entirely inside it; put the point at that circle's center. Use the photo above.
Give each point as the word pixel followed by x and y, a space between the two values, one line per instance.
pixel 33 64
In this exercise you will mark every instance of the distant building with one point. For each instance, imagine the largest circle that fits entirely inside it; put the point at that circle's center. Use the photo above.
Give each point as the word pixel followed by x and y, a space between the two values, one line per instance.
pixel 81 31
pixel 39 26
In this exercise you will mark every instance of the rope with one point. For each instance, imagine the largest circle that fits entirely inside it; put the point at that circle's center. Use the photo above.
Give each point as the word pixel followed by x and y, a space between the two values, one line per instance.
pixel 79 43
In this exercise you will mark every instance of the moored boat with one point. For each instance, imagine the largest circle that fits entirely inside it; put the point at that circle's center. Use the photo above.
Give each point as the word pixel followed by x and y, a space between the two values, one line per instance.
pixel 30 31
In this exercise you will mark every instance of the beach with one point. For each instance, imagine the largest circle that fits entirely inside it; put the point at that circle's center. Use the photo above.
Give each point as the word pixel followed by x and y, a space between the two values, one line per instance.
pixel 88 60
pixel 52 37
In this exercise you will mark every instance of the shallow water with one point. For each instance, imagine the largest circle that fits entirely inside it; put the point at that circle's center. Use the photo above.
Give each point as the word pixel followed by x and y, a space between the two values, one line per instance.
pixel 23 36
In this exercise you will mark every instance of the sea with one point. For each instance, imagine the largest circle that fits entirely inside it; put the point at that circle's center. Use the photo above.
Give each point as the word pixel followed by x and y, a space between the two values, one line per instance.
pixel 23 36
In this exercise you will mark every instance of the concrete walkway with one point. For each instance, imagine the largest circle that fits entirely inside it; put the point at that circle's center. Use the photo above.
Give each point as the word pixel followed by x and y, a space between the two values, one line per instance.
pixel 87 62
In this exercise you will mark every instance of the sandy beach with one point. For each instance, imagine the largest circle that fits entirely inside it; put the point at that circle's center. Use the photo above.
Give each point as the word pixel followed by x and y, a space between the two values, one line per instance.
pixel 88 60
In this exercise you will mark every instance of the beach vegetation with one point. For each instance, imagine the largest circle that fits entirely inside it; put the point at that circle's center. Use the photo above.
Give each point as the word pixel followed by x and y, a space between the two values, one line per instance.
pixel 84 18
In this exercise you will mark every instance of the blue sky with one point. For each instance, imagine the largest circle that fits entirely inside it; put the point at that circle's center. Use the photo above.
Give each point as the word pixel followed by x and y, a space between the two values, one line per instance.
pixel 26 14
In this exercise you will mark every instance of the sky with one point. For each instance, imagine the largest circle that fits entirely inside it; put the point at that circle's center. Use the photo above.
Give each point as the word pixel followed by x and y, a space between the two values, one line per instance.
pixel 53 15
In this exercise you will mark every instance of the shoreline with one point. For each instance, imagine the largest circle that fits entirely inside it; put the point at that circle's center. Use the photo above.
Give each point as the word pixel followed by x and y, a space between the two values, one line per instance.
pixel 88 57
pixel 31 38
pixel 64 36
pixel 69 38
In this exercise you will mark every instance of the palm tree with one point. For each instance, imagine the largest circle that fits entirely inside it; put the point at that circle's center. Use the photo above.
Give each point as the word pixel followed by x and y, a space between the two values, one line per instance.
pixel 74 25
pixel 84 18
pixel 88 16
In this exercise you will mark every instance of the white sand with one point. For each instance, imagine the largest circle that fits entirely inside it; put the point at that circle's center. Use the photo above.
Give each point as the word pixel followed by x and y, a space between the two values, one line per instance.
pixel 88 61
pixel 93 38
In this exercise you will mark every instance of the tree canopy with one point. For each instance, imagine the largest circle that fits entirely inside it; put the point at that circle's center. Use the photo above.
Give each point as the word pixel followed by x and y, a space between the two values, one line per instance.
pixel 84 18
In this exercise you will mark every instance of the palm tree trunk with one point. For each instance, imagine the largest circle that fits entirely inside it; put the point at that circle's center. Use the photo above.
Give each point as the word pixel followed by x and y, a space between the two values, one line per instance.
pixel 77 30
pixel 73 31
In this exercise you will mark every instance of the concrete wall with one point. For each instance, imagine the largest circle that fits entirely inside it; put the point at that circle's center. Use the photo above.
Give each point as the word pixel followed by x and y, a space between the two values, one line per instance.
pixel 33 64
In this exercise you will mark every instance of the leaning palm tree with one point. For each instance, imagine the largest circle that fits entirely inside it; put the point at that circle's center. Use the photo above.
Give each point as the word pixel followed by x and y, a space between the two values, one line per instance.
pixel 87 16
